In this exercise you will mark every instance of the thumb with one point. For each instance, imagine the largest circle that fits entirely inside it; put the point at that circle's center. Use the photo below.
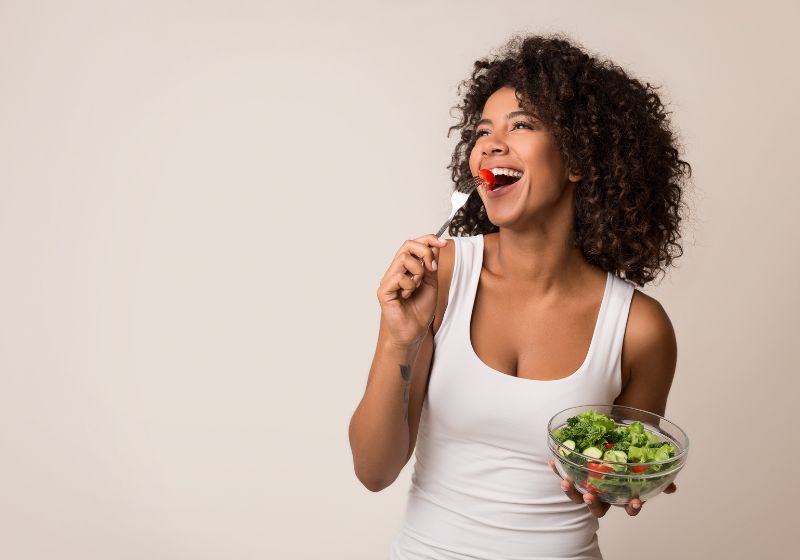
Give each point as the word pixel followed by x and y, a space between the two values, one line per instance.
pixel 437 248
pixel 430 277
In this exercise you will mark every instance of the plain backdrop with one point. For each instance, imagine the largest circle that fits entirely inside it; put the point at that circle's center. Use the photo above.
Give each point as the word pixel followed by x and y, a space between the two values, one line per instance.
pixel 199 200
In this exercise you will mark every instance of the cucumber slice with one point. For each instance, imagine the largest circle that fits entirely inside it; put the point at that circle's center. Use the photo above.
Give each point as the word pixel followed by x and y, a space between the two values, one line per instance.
pixel 618 456
pixel 615 455
pixel 568 443
pixel 593 452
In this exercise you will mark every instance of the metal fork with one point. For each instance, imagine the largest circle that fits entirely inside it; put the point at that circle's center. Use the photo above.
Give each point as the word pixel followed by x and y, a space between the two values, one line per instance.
pixel 459 198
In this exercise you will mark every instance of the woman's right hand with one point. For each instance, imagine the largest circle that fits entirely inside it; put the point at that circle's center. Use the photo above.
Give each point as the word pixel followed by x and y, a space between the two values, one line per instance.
pixel 408 290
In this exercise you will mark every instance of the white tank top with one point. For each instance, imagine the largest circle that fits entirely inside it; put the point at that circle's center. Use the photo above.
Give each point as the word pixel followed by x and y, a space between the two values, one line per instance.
pixel 481 487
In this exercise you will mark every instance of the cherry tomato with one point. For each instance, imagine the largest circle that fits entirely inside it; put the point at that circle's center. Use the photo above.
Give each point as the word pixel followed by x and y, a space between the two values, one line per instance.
pixel 609 445
pixel 639 468
pixel 488 177
pixel 598 469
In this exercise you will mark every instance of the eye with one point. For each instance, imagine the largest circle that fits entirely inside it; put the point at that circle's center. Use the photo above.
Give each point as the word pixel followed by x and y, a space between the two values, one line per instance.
pixel 479 133
pixel 523 123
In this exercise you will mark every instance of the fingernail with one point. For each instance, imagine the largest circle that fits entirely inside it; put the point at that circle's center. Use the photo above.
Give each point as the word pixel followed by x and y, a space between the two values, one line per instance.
pixel 636 505
pixel 587 499
pixel 434 266
pixel 564 486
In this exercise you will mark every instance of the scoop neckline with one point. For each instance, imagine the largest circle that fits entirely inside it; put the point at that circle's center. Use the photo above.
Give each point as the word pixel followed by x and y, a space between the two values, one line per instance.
pixel 475 280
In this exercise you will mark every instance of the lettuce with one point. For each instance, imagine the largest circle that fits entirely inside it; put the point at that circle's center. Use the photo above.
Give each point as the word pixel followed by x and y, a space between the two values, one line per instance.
pixel 592 429
pixel 587 429
pixel 650 454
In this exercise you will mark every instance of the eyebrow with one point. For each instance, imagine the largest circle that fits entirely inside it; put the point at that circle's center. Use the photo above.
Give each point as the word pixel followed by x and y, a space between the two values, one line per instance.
pixel 509 116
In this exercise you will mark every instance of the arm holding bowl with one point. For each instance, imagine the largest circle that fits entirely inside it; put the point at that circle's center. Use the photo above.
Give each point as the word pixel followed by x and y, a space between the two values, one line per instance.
pixel 649 356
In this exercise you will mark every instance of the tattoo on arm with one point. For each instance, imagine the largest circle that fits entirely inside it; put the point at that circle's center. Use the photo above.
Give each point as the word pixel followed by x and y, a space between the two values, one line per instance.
pixel 405 373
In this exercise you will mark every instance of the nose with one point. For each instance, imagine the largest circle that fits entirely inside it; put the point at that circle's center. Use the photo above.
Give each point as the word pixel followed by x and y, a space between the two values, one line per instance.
pixel 493 146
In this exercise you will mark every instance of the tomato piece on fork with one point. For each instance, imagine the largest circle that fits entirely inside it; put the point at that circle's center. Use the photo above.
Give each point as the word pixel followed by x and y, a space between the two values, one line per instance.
pixel 488 178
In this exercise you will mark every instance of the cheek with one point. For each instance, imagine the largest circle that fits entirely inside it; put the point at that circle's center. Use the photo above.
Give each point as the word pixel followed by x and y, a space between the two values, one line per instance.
pixel 474 159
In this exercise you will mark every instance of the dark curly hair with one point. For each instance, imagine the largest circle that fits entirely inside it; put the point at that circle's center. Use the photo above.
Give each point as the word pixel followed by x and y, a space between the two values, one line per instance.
pixel 610 128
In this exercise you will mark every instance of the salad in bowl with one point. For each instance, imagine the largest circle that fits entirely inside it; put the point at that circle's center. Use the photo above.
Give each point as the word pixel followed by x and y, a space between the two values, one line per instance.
pixel 617 452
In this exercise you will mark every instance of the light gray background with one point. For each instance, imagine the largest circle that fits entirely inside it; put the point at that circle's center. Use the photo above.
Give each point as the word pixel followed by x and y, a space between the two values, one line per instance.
pixel 200 198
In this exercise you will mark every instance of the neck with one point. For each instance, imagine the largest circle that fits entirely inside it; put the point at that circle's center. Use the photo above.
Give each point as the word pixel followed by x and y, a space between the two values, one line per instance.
pixel 541 259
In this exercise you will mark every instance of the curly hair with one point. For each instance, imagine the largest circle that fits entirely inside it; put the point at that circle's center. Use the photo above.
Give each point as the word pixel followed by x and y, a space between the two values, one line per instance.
pixel 610 128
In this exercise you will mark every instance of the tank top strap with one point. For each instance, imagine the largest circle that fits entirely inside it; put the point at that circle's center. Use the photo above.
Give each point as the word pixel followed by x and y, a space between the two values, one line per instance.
pixel 611 331
pixel 466 275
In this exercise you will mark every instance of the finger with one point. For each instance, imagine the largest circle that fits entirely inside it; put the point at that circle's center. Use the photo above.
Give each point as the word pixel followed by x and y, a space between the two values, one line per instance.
pixel 596 507
pixel 407 284
pixel 567 485
pixel 398 281
pixel 634 506
pixel 671 488
pixel 571 491
pixel 552 464
pixel 435 241
pixel 436 245
pixel 424 248
pixel 413 265
pixel 416 247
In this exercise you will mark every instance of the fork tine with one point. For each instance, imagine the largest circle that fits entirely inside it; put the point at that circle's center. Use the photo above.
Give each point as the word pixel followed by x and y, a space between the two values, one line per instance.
pixel 469 185
pixel 459 197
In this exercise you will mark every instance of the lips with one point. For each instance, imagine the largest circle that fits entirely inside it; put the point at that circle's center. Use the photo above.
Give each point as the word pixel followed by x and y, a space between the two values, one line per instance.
pixel 504 174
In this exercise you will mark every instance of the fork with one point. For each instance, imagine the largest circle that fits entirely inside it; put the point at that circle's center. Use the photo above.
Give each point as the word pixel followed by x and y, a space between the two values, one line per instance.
pixel 457 200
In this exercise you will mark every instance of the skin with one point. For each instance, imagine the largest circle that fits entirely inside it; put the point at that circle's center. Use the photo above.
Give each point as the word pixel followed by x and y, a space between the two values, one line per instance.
pixel 532 263
pixel 405 373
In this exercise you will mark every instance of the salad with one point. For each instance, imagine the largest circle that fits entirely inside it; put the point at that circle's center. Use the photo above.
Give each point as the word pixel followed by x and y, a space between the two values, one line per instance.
pixel 594 435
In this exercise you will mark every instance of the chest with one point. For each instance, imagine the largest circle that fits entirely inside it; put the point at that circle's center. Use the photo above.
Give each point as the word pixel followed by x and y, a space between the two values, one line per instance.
pixel 543 341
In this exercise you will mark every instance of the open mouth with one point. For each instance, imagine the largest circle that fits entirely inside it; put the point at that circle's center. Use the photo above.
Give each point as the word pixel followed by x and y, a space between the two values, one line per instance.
pixel 501 181
pixel 504 177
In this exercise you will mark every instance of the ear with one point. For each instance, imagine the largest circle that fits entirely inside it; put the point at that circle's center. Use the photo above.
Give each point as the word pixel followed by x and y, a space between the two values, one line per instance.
pixel 572 175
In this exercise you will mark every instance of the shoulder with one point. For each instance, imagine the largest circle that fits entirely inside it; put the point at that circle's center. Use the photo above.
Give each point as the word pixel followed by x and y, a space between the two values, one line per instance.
pixel 649 355
pixel 445 261
pixel 648 324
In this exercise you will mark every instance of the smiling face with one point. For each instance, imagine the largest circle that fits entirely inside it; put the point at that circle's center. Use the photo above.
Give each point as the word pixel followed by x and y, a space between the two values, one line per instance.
pixel 509 137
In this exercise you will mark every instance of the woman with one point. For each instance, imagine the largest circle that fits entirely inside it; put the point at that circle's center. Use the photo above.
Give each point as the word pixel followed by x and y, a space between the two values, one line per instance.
pixel 530 309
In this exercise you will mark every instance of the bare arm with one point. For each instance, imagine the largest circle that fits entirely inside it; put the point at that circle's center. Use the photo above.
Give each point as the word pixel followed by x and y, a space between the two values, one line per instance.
pixel 650 353
pixel 380 437
pixel 383 429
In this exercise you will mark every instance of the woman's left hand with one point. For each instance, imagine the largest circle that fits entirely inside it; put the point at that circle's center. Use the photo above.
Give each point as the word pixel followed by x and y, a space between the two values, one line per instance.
pixel 597 507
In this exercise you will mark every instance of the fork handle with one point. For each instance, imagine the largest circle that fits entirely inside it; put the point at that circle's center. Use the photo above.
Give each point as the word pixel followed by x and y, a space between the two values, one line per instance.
pixel 439 234
pixel 444 227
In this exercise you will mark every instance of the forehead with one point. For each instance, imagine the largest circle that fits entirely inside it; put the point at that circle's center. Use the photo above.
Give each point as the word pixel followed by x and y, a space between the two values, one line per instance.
pixel 503 100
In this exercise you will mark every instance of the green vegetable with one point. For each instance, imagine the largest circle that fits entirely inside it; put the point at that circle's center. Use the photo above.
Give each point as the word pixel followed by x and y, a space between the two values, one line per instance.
pixel 632 443
pixel 588 429
pixel 593 452
pixel 618 456
pixel 568 444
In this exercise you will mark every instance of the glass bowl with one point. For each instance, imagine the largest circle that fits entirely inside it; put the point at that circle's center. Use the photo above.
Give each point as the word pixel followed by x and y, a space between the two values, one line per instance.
pixel 616 482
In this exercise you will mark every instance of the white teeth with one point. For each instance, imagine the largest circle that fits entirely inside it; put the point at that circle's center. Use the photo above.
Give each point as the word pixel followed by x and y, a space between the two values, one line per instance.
pixel 506 171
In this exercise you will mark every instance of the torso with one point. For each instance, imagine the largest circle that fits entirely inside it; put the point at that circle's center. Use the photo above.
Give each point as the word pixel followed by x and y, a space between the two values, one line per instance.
pixel 525 338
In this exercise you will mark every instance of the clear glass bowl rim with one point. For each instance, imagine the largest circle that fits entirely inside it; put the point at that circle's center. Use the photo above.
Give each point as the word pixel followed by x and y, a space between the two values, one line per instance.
pixel 669 461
